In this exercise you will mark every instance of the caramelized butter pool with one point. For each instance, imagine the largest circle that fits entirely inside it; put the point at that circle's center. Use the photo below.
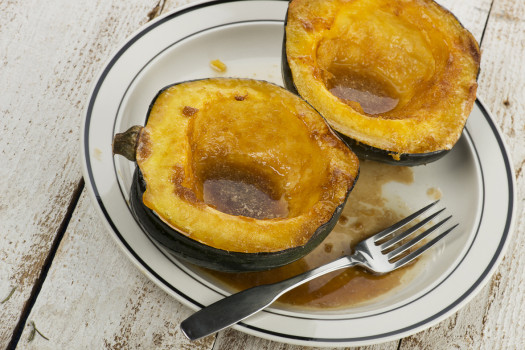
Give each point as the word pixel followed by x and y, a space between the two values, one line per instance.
pixel 365 214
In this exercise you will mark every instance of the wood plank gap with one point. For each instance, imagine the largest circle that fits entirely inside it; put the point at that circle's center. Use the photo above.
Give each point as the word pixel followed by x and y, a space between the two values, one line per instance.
pixel 156 11
pixel 47 264
pixel 486 23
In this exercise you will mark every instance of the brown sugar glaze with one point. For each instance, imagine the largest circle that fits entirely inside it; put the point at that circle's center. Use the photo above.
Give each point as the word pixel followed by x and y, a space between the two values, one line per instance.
pixel 241 198
pixel 366 213
pixel 361 92
pixel 240 190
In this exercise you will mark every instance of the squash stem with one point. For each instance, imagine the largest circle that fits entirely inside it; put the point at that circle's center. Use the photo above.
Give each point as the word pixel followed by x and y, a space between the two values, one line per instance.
pixel 125 143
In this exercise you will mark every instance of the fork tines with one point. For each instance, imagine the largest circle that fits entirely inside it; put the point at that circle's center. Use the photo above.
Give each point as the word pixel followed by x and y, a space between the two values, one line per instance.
pixel 414 254
pixel 397 251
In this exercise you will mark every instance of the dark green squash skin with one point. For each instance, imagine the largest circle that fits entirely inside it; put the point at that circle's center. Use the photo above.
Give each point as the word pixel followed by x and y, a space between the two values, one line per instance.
pixel 187 249
pixel 366 152
pixel 363 151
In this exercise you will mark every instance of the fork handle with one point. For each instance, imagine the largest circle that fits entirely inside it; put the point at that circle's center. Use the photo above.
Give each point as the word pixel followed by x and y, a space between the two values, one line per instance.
pixel 237 307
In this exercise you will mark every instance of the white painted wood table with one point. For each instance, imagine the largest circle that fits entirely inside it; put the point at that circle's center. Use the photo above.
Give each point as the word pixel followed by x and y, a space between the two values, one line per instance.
pixel 61 270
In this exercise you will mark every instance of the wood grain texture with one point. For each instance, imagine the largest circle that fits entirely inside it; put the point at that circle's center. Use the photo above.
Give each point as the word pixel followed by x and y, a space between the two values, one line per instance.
pixel 49 53
pixel 95 298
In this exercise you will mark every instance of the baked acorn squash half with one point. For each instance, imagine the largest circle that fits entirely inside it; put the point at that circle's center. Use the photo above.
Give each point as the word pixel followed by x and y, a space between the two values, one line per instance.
pixel 397 78
pixel 236 174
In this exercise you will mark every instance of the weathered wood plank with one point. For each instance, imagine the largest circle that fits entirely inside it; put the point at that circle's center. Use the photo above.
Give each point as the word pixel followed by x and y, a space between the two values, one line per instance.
pixel 115 307
pixel 495 318
pixel 95 298
pixel 99 299
pixel 49 54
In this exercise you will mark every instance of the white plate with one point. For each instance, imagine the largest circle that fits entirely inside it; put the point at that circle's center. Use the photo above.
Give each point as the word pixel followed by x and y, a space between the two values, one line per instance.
pixel 476 178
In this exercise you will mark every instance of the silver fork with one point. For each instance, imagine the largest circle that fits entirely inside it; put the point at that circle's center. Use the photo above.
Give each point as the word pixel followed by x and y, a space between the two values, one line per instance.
pixel 378 253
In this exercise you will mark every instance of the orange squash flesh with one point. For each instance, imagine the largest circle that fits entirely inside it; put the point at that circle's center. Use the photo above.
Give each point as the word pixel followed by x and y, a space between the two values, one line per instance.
pixel 242 165
pixel 394 75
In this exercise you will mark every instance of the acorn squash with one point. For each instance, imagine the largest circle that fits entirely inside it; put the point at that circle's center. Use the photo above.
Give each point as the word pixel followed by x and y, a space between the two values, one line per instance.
pixel 236 174
pixel 397 78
